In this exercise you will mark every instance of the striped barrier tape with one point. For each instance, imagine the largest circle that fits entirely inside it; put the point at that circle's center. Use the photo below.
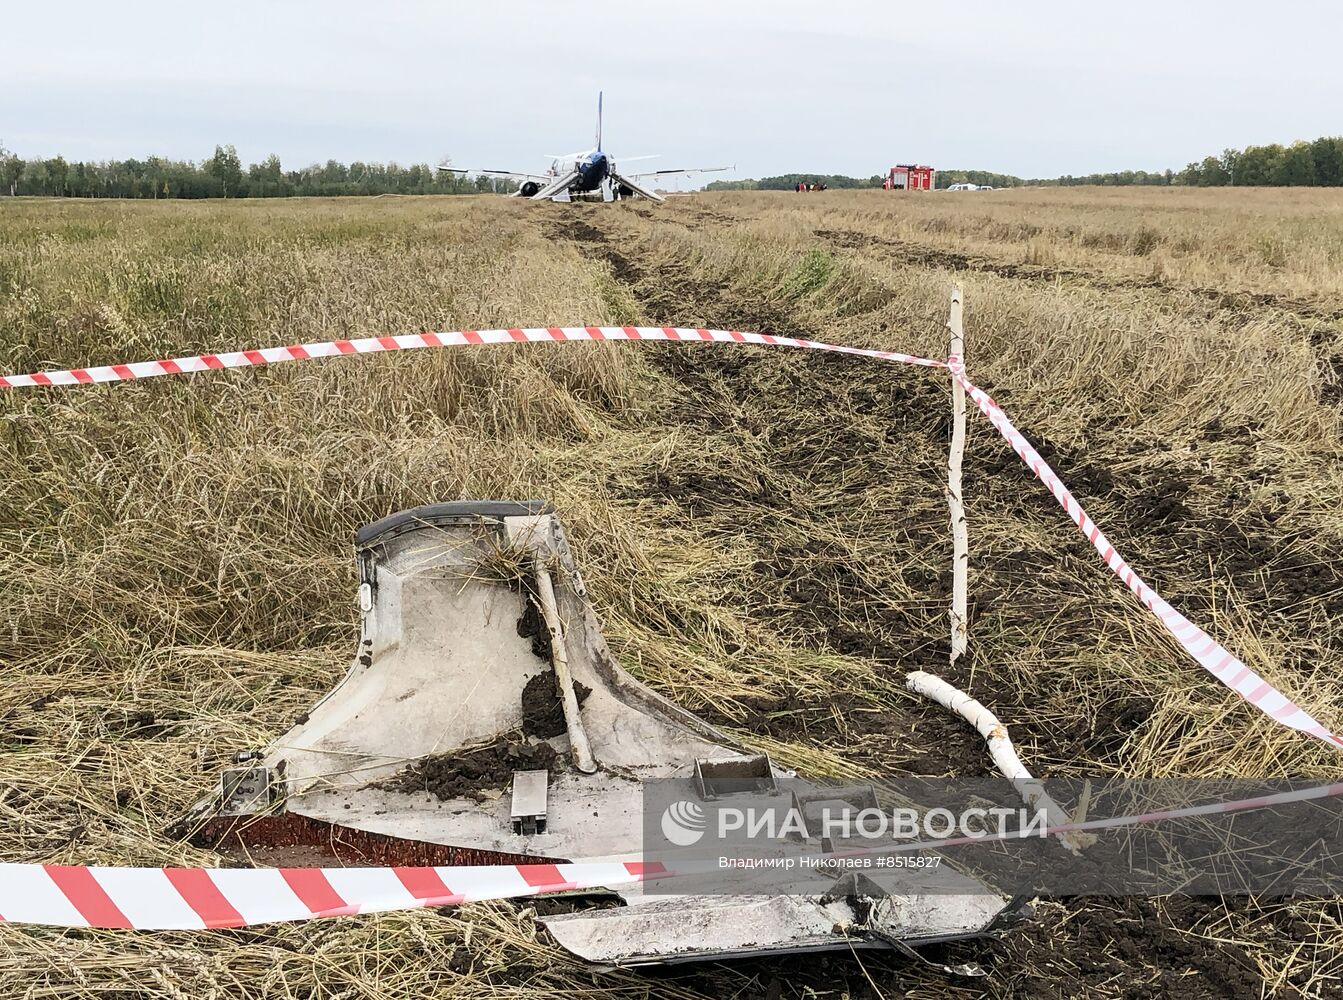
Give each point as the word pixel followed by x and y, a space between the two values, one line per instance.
pixel 416 341
pixel 162 899
pixel 1206 651
pixel 165 898
pixel 1210 654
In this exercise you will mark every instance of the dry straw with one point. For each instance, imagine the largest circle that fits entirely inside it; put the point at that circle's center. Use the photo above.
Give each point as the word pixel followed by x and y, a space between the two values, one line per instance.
pixel 764 534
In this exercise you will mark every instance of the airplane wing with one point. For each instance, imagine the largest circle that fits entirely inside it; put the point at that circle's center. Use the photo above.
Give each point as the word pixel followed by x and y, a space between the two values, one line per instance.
pixel 498 173
pixel 681 170
pixel 556 185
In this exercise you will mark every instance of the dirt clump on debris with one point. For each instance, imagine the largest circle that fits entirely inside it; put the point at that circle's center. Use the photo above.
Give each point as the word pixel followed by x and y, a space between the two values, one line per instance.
pixel 473 773
pixel 532 626
pixel 542 710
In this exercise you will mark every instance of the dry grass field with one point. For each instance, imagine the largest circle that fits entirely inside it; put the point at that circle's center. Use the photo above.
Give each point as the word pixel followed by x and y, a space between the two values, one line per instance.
pixel 763 531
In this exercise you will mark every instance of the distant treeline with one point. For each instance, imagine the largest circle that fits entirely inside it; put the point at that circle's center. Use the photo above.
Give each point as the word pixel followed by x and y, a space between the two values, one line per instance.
pixel 1302 164
pixel 789 182
pixel 1318 163
pixel 946 178
pixel 942 179
pixel 223 176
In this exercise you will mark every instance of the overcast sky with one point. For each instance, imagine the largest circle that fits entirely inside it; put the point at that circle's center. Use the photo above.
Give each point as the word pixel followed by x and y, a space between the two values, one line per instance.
pixel 832 86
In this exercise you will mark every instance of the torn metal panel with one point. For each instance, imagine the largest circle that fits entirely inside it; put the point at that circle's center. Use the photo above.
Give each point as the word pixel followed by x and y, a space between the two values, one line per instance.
pixel 484 719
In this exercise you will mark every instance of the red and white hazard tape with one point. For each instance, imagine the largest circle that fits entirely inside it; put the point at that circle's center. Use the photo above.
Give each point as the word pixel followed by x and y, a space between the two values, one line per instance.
pixel 166 898
pixel 196 898
pixel 162 899
pixel 416 341
pixel 1204 649
pixel 1207 651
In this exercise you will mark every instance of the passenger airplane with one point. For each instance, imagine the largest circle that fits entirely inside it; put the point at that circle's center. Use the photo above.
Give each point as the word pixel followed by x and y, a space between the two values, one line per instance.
pixel 589 175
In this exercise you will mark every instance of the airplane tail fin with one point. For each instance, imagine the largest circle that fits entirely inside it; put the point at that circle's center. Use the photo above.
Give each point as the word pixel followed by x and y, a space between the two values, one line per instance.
pixel 599 121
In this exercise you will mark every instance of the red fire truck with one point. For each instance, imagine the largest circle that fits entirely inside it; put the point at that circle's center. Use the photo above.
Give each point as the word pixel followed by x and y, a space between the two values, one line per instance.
pixel 909 177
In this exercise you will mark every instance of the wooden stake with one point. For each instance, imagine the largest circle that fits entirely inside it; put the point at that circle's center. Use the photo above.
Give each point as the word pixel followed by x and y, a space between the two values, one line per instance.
pixel 960 538
pixel 573 721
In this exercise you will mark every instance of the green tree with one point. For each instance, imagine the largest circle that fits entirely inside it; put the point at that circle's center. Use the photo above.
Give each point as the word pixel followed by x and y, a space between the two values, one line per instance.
pixel 333 177
pixel 226 168
pixel 1327 154
pixel 78 184
pixel 57 172
pixel 1212 173
pixel 1296 166
pixel 34 178
pixel 156 169
pixel 11 169
pixel 1258 165
pixel 266 179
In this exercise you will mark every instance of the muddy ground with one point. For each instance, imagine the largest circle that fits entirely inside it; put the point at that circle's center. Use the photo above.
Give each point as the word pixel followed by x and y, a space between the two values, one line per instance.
pixel 1129 947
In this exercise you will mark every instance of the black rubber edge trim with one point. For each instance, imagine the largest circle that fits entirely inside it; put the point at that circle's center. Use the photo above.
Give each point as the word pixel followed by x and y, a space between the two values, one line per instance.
pixel 439 513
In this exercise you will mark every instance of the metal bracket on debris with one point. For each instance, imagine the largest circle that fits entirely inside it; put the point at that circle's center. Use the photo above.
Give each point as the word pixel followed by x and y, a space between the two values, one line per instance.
pixel 246 791
pixel 752 774
pixel 529 802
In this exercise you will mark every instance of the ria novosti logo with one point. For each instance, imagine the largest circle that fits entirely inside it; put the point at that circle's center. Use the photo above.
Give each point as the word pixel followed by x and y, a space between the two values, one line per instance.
pixel 683 823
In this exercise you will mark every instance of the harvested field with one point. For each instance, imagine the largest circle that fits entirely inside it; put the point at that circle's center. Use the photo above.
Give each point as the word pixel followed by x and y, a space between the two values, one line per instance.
pixel 763 532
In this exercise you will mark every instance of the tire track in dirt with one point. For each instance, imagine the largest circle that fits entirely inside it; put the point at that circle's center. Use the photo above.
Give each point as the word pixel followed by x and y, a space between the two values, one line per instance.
pixel 1076 946
pixel 841 426
pixel 828 582
pixel 1162 513
pixel 921 255
pixel 1150 509
pixel 827 592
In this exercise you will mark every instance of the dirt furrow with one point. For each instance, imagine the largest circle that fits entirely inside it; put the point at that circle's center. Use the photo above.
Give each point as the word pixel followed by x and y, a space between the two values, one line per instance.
pixel 819 471
pixel 921 255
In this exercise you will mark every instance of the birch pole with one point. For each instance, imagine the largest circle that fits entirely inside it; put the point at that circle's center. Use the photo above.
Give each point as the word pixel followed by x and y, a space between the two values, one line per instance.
pixel 1004 754
pixel 960 538
pixel 564 681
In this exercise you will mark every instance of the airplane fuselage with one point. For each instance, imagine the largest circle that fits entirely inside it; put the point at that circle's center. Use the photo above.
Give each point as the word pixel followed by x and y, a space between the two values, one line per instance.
pixel 592 168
